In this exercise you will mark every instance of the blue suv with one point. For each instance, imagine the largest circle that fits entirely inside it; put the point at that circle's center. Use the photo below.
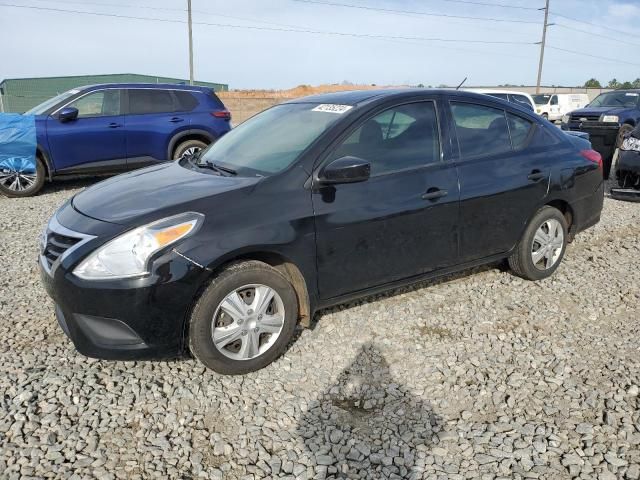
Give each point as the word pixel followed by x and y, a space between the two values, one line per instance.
pixel 111 128
pixel 607 119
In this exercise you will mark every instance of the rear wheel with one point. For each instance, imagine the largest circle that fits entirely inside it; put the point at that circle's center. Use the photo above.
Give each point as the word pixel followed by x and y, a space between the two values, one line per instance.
pixel 188 147
pixel 244 320
pixel 542 246
pixel 20 178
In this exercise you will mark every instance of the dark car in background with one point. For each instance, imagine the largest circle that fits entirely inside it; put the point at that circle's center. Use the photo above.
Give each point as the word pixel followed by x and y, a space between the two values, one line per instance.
pixel 607 119
pixel 112 128
pixel 628 171
pixel 308 204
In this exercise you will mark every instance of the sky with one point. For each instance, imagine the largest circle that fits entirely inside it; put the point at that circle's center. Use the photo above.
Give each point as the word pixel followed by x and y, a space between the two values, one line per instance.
pixel 228 48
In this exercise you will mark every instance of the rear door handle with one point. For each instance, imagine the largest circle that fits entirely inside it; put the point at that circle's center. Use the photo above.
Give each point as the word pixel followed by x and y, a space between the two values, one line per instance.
pixel 115 125
pixel 434 194
pixel 176 120
pixel 536 175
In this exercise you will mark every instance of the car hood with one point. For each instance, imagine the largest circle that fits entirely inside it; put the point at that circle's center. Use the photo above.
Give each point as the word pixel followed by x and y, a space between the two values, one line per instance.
pixel 601 110
pixel 150 192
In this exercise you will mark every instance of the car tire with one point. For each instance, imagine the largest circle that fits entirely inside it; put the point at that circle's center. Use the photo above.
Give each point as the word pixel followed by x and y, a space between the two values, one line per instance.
pixel 238 318
pixel 624 129
pixel 545 116
pixel 10 189
pixel 188 147
pixel 542 246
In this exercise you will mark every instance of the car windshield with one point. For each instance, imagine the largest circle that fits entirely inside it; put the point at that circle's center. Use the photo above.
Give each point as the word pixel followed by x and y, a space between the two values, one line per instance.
pixel 616 99
pixel 47 104
pixel 541 99
pixel 273 139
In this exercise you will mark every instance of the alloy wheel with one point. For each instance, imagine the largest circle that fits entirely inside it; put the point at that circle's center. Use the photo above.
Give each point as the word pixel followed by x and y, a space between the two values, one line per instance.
pixel 17 175
pixel 547 244
pixel 248 322
pixel 190 151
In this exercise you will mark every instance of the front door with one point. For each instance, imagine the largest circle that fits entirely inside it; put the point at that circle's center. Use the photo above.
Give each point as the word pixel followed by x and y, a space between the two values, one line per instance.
pixel 502 179
pixel 95 141
pixel 403 220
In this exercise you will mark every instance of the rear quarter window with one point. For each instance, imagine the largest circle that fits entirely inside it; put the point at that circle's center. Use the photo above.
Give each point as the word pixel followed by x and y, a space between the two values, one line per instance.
pixel 185 101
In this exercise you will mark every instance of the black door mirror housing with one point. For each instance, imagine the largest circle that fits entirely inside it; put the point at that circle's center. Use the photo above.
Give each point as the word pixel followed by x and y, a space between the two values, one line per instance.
pixel 68 114
pixel 346 170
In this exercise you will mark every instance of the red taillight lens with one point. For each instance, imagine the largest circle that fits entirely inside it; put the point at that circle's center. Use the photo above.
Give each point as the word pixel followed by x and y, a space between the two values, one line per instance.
pixel 593 156
pixel 226 114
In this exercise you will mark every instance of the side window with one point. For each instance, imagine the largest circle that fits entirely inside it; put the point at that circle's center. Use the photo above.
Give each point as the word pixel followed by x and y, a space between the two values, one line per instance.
pixel 519 128
pixel 554 100
pixel 481 130
pixel 143 101
pixel 185 101
pixel 521 100
pixel 103 103
pixel 400 138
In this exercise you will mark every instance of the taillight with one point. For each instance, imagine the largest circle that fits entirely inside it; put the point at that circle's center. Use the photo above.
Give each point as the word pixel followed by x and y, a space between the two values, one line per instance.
pixel 592 156
pixel 226 114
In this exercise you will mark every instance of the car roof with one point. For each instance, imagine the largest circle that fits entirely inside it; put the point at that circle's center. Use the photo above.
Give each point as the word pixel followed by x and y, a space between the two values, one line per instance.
pixel 162 86
pixel 358 97
pixel 497 90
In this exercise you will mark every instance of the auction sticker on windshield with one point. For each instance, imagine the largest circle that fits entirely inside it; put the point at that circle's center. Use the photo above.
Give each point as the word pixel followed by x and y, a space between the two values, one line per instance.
pixel 332 108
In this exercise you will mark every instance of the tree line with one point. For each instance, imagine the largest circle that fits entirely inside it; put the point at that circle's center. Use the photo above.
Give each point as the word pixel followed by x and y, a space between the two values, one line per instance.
pixel 614 83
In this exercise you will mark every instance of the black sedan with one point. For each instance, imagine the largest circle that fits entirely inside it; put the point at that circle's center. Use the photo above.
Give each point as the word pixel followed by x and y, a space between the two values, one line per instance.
pixel 308 204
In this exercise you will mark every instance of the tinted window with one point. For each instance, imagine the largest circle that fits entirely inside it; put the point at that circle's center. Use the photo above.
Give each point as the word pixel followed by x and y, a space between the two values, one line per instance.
pixel 616 99
pixel 481 130
pixel 521 100
pixel 399 138
pixel 520 129
pixel 98 104
pixel 150 101
pixel 185 101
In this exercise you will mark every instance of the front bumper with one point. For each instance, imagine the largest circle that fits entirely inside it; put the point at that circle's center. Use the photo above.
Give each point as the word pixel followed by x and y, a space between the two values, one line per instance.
pixel 126 319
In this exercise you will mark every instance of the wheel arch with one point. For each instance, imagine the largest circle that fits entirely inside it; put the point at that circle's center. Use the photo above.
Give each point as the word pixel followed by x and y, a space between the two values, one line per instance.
pixel 190 134
pixel 46 160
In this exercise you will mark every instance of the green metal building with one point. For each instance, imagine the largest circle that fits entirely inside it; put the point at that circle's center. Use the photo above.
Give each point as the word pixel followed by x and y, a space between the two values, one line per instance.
pixel 20 94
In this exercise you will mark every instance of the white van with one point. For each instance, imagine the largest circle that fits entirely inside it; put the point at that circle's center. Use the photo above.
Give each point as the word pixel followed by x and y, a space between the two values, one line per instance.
pixel 554 105
pixel 519 98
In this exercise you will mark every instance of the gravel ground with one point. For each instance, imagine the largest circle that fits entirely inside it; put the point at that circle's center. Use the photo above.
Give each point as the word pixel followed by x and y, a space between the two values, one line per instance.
pixel 482 375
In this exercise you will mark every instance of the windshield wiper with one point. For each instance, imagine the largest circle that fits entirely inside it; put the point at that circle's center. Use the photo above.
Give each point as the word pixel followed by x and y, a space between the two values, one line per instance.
pixel 217 168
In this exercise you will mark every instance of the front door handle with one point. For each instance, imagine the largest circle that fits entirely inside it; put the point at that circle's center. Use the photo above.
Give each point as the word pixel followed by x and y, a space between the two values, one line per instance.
pixel 536 175
pixel 176 120
pixel 115 125
pixel 434 194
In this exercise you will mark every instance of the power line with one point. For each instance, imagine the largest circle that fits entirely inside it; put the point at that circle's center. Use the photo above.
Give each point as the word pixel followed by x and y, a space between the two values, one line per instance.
pixel 412 12
pixel 596 34
pixel 614 60
pixel 485 4
pixel 272 29
pixel 604 27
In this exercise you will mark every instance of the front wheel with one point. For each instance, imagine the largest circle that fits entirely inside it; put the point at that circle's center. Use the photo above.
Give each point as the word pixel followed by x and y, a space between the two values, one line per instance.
pixel 244 320
pixel 542 246
pixel 20 177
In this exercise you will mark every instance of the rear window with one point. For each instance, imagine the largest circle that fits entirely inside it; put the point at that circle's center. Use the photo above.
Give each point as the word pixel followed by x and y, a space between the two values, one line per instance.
pixel 185 101
pixel 143 101
pixel 481 130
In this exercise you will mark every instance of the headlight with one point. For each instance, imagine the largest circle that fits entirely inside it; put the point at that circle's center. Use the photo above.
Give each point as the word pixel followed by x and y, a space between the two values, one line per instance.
pixel 631 143
pixel 128 254
pixel 565 118
pixel 609 118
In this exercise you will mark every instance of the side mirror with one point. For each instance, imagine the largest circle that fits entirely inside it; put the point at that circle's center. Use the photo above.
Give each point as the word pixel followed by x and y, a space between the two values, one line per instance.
pixel 68 114
pixel 346 170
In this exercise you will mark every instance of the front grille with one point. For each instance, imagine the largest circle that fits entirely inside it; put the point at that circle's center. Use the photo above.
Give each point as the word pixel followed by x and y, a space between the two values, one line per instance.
pixel 577 118
pixel 56 245
pixel 57 242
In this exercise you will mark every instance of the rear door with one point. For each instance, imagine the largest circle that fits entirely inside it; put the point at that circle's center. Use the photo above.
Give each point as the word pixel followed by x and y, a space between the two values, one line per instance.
pixel 502 181
pixel 95 141
pixel 403 220
pixel 151 120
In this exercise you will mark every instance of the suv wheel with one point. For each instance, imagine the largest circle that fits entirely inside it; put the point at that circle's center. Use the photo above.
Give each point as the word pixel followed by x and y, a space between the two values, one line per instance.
pixel 20 179
pixel 244 319
pixel 188 147
pixel 624 129
pixel 542 246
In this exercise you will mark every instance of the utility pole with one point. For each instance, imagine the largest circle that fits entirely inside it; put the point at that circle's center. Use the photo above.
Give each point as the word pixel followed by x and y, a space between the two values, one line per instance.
pixel 544 39
pixel 191 43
